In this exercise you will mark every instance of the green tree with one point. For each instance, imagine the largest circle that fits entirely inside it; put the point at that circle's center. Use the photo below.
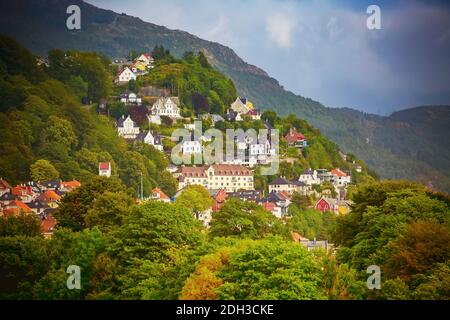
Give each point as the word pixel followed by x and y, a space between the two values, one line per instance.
pixel 20 225
pixel 42 170
pixel 245 219
pixel 195 198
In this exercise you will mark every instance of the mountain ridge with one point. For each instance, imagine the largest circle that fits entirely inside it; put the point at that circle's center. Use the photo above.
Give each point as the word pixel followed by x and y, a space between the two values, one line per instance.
pixel 392 149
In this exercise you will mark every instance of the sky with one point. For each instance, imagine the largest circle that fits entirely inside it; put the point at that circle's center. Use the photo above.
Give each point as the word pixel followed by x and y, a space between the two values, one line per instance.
pixel 322 49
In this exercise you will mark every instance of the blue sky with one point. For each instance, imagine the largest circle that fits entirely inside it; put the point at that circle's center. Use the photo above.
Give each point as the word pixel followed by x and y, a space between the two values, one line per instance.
pixel 322 49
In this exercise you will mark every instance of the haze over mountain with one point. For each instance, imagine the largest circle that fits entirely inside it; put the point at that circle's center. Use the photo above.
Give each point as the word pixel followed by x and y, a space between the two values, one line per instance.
pixel 410 144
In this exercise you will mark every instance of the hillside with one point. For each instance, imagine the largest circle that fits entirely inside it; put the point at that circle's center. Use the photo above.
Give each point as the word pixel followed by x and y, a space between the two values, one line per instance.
pixel 403 145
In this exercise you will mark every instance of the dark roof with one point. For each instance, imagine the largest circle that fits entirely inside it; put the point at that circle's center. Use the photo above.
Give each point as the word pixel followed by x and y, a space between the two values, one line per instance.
pixel 51 184
pixel 246 194
pixel 38 204
pixel 8 196
pixel 272 197
pixel 280 180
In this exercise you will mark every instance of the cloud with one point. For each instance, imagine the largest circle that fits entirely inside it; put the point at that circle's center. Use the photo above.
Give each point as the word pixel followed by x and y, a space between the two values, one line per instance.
pixel 279 28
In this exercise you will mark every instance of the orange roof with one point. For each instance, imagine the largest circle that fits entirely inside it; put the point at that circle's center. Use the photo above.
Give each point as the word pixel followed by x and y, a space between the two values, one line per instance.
pixel 71 184
pixel 269 206
pixel 20 205
pixel 104 165
pixel 339 173
pixel 4 184
pixel 158 193
pixel 48 224
pixel 52 195
pixel 21 191
pixel 230 169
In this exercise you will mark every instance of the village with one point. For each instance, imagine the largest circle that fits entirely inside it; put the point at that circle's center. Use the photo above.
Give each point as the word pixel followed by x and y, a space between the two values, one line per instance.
pixel 230 177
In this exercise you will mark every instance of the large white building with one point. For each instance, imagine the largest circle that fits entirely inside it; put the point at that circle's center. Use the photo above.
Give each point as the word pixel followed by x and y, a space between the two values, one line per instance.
pixel 127 128
pixel 166 106
pixel 231 178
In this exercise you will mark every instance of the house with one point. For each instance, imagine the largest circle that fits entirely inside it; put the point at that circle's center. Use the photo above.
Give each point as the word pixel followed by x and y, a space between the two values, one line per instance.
pixel 68 186
pixel 130 98
pixel 151 138
pixel 146 59
pixel 295 139
pixel 4 187
pixel 233 116
pixel 125 75
pixel 309 177
pixel 158 194
pixel 316 244
pixel 255 114
pixel 127 128
pixel 48 223
pixel 38 206
pixel 167 106
pixel 25 193
pixel 219 196
pixel 280 201
pixel 240 105
pixel 333 205
pixel 246 195
pixel 340 177
pixel 191 146
pixel 104 169
pixel 50 197
pixel 231 178
pixel 7 198
pixel 50 185
pixel 283 185
pixel 17 206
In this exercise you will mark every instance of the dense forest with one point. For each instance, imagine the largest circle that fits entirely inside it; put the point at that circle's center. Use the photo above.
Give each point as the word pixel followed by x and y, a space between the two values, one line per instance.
pixel 159 250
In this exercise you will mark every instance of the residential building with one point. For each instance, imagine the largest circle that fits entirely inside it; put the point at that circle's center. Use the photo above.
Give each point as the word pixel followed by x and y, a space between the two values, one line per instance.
pixel 130 98
pixel 125 75
pixel 255 114
pixel 166 106
pixel 295 139
pixel 155 119
pixel 246 195
pixel 151 138
pixel 4 187
pixel 219 196
pixel 240 105
pixel 280 202
pixel 158 194
pixel 231 178
pixel 333 205
pixel 340 177
pixel 283 185
pixel 309 177
pixel 146 59
pixel 191 146
pixel 127 128
pixel 104 169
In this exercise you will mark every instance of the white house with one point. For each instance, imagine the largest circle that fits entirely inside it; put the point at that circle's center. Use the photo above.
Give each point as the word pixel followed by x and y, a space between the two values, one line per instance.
pixel 340 177
pixel 166 106
pixel 104 169
pixel 147 59
pixel 125 76
pixel 131 97
pixel 191 146
pixel 151 139
pixel 309 177
pixel 240 105
pixel 127 128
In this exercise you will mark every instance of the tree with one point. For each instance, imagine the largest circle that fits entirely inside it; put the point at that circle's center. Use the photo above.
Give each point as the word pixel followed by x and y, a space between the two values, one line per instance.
pixel 153 229
pixel 270 116
pixel 424 244
pixel 200 103
pixel 21 225
pixel 117 109
pixel 271 269
pixel 245 219
pixel 42 170
pixel 195 198
pixel 75 205
pixel 109 210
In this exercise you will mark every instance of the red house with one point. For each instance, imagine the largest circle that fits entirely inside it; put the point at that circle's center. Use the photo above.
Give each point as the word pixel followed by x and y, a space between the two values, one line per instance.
pixel 323 205
pixel 219 197
pixel 296 139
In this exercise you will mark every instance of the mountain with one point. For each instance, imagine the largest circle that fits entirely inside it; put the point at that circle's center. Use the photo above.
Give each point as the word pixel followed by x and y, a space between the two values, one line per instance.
pixel 409 144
